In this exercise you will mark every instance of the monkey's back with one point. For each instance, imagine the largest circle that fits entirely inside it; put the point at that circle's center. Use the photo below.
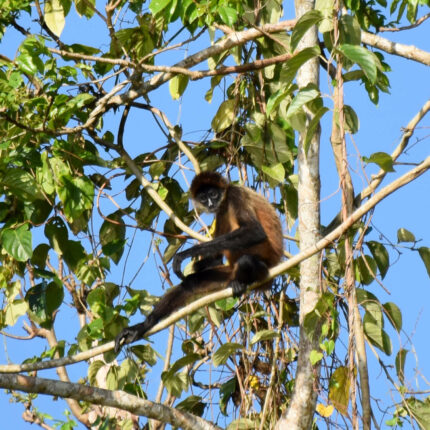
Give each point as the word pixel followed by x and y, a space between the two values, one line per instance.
pixel 247 206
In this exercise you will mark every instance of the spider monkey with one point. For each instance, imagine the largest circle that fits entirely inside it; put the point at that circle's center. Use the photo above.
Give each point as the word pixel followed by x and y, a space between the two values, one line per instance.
pixel 248 233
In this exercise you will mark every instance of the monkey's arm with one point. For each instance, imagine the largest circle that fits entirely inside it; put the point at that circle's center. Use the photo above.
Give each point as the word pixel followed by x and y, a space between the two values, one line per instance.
pixel 247 235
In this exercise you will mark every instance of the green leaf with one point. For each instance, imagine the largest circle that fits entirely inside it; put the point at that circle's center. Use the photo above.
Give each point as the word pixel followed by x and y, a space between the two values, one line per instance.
pixel 40 254
pixel 54 16
pixel 112 236
pixel 43 300
pixel 425 256
pixel 276 172
pixel 85 7
pixel 420 411
pixel 175 383
pixel 304 23
pixel 377 336
pixel 313 126
pixel 394 315
pixel 21 183
pixel 365 269
pixel 14 310
pixel 192 404
pixel 223 353
pixel 404 235
pixel 17 242
pixel 352 123
pixel 304 96
pixel 363 57
pixel 225 116
pixel 228 15
pixel 274 100
pixel 400 364
pixel 315 357
pixel 339 387
pixel 177 86
pixel 93 369
pixel 381 256
pixel 290 68
pixel 156 6
pixel 382 159
pixel 76 194
pixel 264 335
pixel 326 8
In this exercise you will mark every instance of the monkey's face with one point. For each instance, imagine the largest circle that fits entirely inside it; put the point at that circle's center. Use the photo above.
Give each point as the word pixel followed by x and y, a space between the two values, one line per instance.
pixel 208 199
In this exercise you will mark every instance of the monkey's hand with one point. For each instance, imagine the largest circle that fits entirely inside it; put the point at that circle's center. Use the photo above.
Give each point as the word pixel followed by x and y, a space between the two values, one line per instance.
pixel 129 335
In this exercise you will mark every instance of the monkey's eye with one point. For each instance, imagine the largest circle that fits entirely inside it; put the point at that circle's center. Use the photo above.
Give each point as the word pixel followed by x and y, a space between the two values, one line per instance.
pixel 213 194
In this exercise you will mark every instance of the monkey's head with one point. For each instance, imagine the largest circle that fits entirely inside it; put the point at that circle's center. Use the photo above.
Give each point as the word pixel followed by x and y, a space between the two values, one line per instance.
pixel 208 191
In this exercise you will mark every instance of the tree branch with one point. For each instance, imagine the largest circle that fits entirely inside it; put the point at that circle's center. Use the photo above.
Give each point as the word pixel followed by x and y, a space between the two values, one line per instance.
pixel 117 399
pixel 407 51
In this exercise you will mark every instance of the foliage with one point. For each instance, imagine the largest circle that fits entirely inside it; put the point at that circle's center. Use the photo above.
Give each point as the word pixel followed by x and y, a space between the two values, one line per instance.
pixel 76 217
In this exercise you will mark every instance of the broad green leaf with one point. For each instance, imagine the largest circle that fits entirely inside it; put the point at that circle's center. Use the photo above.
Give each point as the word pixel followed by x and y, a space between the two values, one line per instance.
pixel 276 172
pixel 349 29
pixel 43 300
pixel 304 96
pixel 382 159
pixel 377 336
pixel 326 8
pixel 425 256
pixel 225 116
pixel 381 256
pixel 394 315
pixel 18 242
pixel 112 236
pixel 223 353
pixel 85 7
pixel 184 361
pixel 400 364
pixel 40 254
pixel 156 6
pixel 304 23
pixel 363 57
pixel 365 269
pixel 290 67
pixel 404 235
pixel 21 184
pixel 352 123
pixel 177 86
pixel 315 357
pixel 274 101
pixel 76 194
pixel 93 369
pixel 420 411
pixel 174 382
pixel 14 310
pixel 339 387
pixel 226 391
pixel 264 335
pixel 54 16
pixel 192 404
pixel 228 15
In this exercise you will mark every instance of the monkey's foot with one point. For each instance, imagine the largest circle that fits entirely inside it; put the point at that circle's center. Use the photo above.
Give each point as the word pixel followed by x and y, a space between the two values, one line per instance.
pixel 238 287
pixel 129 335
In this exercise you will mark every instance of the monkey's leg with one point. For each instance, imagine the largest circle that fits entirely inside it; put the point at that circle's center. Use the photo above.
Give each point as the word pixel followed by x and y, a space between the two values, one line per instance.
pixel 194 285
pixel 249 269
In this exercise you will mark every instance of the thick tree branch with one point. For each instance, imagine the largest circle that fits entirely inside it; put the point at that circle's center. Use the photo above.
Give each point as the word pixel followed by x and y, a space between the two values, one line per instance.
pixel 407 51
pixel 117 399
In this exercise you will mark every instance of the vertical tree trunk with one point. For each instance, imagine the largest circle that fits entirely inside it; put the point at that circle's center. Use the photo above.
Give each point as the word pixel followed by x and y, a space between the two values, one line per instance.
pixel 300 412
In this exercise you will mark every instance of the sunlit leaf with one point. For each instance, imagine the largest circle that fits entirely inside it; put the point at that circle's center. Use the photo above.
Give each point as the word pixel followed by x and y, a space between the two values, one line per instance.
pixel 425 256
pixel 18 242
pixel 54 16
pixel 224 352
pixel 394 315
pixel 225 116
pixel 400 364
pixel 363 57
pixel 305 22
pixel 339 387
pixel 404 235
pixel 177 86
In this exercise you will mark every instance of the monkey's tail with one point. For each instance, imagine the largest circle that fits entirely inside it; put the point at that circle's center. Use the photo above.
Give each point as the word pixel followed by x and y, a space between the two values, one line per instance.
pixel 192 287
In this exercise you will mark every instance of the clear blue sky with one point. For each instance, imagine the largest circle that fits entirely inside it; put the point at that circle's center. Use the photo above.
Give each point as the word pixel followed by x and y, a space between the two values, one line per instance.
pixel 407 281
